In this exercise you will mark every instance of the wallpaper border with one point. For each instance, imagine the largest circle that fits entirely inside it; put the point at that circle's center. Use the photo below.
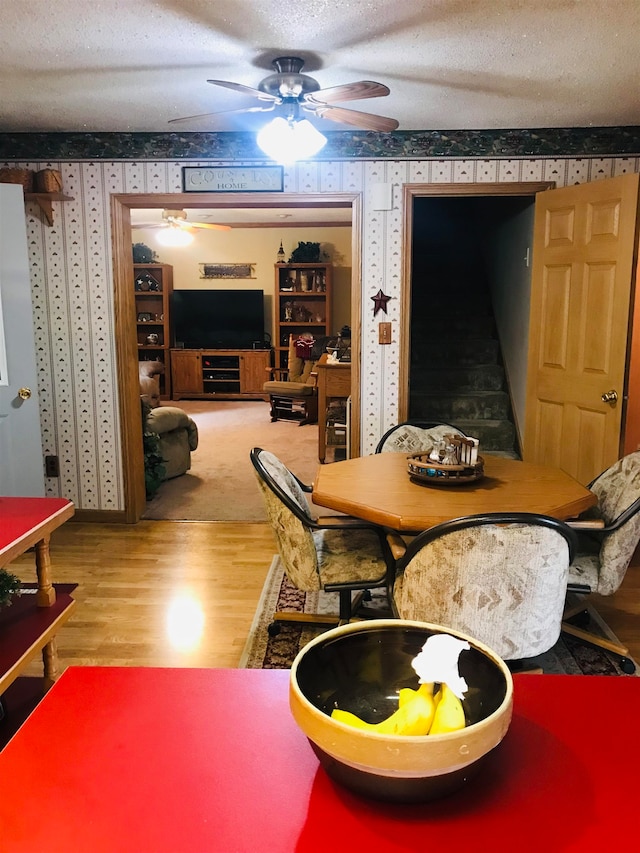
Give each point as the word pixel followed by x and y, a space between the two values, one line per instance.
pixel 410 144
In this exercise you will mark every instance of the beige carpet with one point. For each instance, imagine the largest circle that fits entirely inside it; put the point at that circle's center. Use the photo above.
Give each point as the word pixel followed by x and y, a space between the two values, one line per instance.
pixel 221 485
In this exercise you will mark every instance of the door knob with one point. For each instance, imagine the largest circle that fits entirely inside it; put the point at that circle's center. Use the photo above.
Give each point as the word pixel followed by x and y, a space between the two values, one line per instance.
pixel 609 397
pixel 24 393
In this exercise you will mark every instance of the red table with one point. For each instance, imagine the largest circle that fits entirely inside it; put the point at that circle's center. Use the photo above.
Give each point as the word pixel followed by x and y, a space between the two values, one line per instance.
pixel 30 623
pixel 211 761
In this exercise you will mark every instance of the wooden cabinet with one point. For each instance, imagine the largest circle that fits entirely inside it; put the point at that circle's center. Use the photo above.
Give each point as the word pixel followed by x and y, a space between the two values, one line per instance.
pixel 225 374
pixel 153 284
pixel 334 390
pixel 302 304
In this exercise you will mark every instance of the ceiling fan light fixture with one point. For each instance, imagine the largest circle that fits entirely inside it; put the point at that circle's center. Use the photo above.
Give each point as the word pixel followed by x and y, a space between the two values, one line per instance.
pixel 288 140
pixel 174 236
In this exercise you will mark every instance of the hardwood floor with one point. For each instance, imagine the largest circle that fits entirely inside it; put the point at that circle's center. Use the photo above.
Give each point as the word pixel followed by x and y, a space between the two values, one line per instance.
pixel 184 593
pixel 158 593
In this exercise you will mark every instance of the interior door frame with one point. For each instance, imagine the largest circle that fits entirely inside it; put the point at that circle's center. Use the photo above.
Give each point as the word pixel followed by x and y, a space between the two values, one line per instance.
pixel 125 330
pixel 410 193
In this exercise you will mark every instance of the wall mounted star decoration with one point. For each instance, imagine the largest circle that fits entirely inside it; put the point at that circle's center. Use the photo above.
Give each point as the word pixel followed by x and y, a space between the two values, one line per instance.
pixel 380 302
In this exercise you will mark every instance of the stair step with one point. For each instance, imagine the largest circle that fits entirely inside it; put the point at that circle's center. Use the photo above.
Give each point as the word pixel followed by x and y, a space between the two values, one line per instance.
pixel 453 352
pixel 443 325
pixel 458 380
pixel 493 435
pixel 485 405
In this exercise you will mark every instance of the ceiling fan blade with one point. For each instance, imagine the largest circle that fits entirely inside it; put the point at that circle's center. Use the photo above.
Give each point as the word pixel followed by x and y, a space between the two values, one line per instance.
pixel 246 90
pixel 348 92
pixel 264 109
pixel 211 225
pixel 367 121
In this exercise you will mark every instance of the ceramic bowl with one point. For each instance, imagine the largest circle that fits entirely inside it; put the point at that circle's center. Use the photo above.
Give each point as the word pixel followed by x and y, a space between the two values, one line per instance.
pixel 360 668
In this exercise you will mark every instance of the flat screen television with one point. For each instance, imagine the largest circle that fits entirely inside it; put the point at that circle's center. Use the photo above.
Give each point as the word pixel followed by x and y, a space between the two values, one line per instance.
pixel 218 319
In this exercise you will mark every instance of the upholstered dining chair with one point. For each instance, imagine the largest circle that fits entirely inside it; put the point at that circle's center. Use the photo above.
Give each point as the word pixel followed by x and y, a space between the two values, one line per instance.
pixel 608 535
pixel 335 554
pixel 499 577
pixel 414 436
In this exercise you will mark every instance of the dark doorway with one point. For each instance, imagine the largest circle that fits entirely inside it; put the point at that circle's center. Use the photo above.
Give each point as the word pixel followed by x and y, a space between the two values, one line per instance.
pixel 469 280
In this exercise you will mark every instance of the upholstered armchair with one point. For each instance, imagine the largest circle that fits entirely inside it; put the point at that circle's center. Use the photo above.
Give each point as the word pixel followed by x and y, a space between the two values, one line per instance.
pixel 414 436
pixel 178 435
pixel 149 373
pixel 499 577
pixel 608 535
pixel 177 432
pixel 335 554
pixel 292 391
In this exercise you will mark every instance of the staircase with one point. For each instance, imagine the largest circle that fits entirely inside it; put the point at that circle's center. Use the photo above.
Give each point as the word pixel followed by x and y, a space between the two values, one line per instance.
pixel 456 369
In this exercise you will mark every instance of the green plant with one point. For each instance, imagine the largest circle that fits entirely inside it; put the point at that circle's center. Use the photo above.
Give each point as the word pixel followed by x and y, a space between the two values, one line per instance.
pixel 142 254
pixel 9 585
pixel 305 253
pixel 154 467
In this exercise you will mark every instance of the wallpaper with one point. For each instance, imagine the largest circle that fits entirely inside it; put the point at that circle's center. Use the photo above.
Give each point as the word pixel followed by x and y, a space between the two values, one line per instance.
pixel 73 299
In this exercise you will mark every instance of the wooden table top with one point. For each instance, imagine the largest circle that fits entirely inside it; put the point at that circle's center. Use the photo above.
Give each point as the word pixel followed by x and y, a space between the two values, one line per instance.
pixel 377 488
pixel 193 760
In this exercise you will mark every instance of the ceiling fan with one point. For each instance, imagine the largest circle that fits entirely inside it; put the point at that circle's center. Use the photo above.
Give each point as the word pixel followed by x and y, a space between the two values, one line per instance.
pixel 293 91
pixel 177 219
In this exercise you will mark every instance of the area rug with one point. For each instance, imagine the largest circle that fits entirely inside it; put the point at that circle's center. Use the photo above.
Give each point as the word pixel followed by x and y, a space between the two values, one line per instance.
pixel 567 657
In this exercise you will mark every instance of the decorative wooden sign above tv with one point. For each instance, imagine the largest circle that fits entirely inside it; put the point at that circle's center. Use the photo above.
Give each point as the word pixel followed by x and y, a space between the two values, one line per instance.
pixel 227 270
pixel 232 179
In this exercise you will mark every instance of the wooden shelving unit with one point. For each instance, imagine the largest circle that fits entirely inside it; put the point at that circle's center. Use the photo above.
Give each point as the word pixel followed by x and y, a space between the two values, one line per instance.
pixel 302 304
pixel 153 285
pixel 225 374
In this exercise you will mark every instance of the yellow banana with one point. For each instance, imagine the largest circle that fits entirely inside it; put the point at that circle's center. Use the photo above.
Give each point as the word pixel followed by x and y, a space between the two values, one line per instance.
pixel 351 719
pixel 413 717
pixel 406 694
pixel 449 714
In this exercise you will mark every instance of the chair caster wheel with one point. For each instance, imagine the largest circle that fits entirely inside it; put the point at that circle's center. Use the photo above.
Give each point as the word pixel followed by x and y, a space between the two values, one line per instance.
pixel 627 666
pixel 273 630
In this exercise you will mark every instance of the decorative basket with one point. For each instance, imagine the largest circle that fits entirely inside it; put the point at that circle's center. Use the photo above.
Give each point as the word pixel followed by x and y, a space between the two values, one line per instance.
pixel 48 181
pixel 426 472
pixel 17 176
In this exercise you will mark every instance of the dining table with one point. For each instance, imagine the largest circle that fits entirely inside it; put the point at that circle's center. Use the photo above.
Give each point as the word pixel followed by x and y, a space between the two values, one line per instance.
pixel 191 760
pixel 378 488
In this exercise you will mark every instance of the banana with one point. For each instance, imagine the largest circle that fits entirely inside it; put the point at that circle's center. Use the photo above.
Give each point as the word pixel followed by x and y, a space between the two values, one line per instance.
pixel 406 694
pixel 449 714
pixel 413 717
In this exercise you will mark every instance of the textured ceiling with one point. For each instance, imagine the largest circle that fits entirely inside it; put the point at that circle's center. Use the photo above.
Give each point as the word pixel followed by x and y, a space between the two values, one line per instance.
pixel 120 65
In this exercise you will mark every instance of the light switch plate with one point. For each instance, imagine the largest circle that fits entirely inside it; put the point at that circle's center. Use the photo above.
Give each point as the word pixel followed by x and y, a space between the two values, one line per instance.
pixel 384 333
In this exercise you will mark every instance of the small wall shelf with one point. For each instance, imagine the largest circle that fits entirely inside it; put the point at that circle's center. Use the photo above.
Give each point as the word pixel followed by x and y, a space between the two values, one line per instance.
pixel 43 200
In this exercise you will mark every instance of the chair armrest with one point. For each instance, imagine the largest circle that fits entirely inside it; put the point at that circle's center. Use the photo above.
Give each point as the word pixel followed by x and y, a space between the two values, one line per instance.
pixel 396 544
pixel 280 374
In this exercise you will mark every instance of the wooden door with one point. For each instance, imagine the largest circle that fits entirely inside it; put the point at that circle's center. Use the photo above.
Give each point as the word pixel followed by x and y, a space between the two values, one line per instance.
pixel 186 373
pixel 253 371
pixel 583 266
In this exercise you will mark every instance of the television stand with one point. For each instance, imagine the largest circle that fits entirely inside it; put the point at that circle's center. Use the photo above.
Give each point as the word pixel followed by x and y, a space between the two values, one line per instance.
pixel 219 374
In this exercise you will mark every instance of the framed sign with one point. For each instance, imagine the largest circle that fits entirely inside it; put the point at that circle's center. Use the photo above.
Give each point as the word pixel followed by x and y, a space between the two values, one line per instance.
pixel 232 179
pixel 227 270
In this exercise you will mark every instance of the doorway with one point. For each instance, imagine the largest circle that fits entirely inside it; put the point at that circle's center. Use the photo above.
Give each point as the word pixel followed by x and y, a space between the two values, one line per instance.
pixel 465 244
pixel 121 206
